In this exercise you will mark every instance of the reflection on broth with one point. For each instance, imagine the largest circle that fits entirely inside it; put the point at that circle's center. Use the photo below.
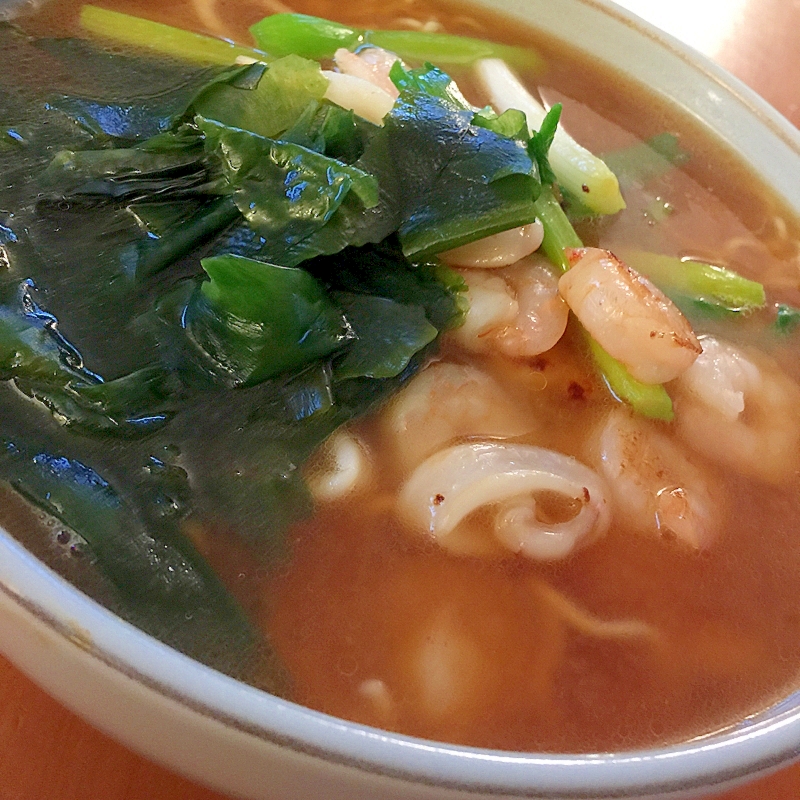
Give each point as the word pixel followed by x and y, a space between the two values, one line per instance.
pixel 501 554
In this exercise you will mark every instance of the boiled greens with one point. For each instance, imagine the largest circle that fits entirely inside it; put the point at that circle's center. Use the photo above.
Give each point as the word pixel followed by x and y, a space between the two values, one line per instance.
pixel 206 272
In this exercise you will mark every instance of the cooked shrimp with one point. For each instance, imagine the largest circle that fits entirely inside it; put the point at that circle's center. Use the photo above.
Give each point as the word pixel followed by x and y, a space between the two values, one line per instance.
pixel 371 64
pixel 655 487
pixel 516 311
pixel 492 307
pixel 453 484
pixel 445 402
pixel 628 316
pixel 500 250
pixel 739 409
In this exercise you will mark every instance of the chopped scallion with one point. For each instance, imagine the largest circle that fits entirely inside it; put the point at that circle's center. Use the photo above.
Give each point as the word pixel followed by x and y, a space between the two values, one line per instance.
pixel 314 37
pixel 716 286
pixel 787 319
pixel 163 39
pixel 578 171
pixel 558 231
pixel 649 400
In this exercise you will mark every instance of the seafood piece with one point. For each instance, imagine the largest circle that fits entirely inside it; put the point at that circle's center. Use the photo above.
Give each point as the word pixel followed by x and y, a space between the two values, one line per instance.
pixel 451 485
pixel 628 316
pixel 371 64
pixel 516 311
pixel 355 94
pixel 500 250
pixel 655 486
pixel 739 409
pixel 445 402
pixel 492 308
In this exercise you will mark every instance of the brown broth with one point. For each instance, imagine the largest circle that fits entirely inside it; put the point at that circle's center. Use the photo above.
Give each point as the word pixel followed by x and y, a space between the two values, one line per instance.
pixel 361 598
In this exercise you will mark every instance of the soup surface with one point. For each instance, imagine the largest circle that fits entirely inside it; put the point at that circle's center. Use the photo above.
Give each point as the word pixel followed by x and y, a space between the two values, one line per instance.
pixel 678 619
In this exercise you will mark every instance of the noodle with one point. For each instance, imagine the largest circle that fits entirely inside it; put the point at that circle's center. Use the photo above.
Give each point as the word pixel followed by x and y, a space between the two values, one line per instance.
pixel 431 26
pixel 589 625
pixel 206 11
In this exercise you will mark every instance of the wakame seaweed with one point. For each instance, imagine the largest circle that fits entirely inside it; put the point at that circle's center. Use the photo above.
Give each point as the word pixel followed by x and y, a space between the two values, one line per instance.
pixel 203 280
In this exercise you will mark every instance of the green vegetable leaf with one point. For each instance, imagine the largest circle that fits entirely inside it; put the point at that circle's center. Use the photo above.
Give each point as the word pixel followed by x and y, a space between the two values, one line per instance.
pixel 787 319
pixel 168 100
pixel 173 231
pixel 46 367
pixel 388 334
pixel 116 120
pixel 163 583
pixel 540 142
pixel 511 123
pixel 130 173
pixel 332 130
pixel 287 193
pixel 270 104
pixel 138 118
pixel 429 80
pixel 384 271
pixel 133 405
pixel 455 182
pixel 443 182
pixel 257 320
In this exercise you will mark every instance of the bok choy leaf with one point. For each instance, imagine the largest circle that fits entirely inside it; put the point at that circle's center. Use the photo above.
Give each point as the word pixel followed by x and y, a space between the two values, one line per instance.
pixel 256 320
pixel 163 583
pixel 450 181
pixel 387 335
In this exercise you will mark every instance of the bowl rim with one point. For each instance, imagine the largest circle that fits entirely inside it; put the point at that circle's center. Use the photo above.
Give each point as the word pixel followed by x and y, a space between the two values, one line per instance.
pixel 107 639
pixel 762 742
pixel 767 114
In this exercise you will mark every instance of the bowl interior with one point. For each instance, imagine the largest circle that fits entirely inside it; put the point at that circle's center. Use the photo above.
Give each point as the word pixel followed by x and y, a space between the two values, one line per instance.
pixel 100 641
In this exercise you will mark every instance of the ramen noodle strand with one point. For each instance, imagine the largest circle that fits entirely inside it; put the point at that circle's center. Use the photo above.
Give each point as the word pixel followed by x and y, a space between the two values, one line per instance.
pixel 206 11
pixel 583 622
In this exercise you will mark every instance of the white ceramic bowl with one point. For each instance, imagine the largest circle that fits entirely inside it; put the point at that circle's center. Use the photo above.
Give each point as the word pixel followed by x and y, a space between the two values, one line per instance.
pixel 244 742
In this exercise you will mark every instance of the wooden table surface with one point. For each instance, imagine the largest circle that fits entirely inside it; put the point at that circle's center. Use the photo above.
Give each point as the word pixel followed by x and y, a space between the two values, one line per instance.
pixel 47 753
